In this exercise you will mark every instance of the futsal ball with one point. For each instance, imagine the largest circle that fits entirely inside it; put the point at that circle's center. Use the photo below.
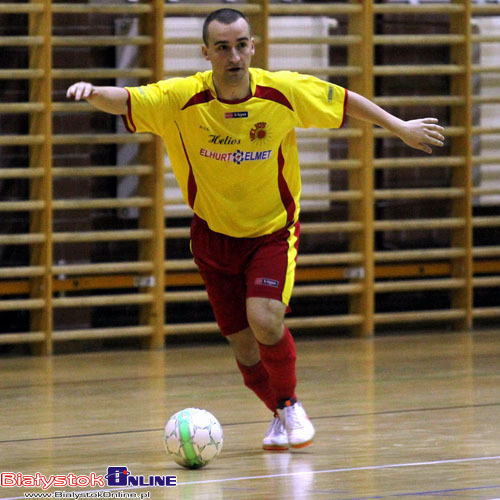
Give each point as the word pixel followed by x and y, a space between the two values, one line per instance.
pixel 193 437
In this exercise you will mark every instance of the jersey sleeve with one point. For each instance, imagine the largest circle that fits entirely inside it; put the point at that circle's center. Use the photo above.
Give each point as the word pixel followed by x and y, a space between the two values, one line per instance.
pixel 318 103
pixel 148 107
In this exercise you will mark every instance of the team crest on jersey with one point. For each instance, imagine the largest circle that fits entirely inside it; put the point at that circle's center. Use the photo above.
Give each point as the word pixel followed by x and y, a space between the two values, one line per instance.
pixel 259 132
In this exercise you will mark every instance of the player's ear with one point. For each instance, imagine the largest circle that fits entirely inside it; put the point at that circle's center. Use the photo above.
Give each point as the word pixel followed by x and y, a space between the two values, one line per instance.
pixel 204 51
pixel 252 47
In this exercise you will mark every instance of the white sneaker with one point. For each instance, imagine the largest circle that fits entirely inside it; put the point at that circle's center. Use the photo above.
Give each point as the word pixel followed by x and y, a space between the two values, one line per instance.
pixel 276 437
pixel 299 429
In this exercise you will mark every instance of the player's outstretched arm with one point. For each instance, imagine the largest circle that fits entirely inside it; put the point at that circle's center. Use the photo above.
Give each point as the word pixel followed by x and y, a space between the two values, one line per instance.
pixel 109 99
pixel 419 134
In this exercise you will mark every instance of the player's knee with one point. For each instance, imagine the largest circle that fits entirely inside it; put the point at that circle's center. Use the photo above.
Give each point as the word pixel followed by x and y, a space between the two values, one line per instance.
pixel 266 319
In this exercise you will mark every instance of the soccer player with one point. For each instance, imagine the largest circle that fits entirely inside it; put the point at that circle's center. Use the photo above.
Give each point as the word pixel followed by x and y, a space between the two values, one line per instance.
pixel 230 134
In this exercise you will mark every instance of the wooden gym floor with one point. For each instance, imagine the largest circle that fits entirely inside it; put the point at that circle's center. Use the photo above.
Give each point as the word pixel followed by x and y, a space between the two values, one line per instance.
pixel 414 416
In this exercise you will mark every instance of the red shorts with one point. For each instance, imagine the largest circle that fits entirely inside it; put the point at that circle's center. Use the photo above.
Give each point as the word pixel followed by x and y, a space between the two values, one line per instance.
pixel 236 268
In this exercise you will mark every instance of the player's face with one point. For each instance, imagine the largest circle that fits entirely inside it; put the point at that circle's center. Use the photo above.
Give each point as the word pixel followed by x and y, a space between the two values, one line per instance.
pixel 230 50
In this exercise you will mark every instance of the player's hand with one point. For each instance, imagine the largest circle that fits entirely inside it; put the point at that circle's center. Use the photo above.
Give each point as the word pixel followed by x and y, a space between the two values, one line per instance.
pixel 422 134
pixel 81 90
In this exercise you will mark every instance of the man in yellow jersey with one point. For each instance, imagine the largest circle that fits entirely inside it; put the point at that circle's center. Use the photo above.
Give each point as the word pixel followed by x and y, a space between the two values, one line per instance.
pixel 230 134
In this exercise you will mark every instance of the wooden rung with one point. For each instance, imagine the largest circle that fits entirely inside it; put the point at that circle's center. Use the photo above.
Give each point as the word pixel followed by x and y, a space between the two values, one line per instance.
pixel 100 41
pixel 417 9
pixel 485 68
pixel 20 338
pixel 325 290
pixel 332 258
pixel 101 203
pixel 325 321
pixel 492 251
pixel 21 173
pixel 205 9
pixel 407 101
pixel 21 271
pixel 485 9
pixel 101 268
pixel 91 236
pixel 446 161
pixel 21 239
pixel 337 40
pixel 485 160
pixel 485 191
pixel 485 99
pixel 413 39
pixel 179 265
pixel 19 305
pixel 334 196
pixel 314 322
pixel 418 69
pixel 486 221
pixel 402 194
pixel 177 232
pixel 72 107
pixel 314 10
pixel 20 41
pixel 330 133
pixel 421 254
pixel 125 138
pixel 328 70
pixel 17 206
pixel 21 107
pixel 486 281
pixel 101 171
pixel 448 132
pixel 416 285
pixel 103 300
pixel 483 312
pixel 332 165
pixel 20 74
pixel 101 73
pixel 419 316
pixel 130 8
pixel 330 227
pixel 18 8
pixel 21 140
pixel 189 296
pixel 102 333
pixel 485 38
pixel 190 328
pixel 485 130
pixel 412 224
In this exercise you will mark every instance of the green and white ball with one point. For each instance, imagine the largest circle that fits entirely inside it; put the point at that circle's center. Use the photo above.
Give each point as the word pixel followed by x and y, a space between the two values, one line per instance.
pixel 193 437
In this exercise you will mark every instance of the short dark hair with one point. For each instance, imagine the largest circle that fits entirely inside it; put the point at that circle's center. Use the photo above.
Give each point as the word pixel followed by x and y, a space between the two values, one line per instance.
pixel 224 16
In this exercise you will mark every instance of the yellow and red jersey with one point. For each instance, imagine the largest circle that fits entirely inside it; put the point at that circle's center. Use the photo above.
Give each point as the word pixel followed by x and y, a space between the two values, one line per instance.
pixel 237 162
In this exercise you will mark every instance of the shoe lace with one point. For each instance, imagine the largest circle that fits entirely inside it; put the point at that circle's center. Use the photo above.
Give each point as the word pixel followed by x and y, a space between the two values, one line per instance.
pixel 292 417
pixel 275 427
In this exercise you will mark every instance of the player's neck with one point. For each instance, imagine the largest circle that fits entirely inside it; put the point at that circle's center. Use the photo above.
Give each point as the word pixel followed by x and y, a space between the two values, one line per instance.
pixel 232 92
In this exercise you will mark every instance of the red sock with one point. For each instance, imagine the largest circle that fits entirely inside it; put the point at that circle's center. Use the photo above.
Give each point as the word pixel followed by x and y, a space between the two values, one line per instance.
pixel 279 361
pixel 256 379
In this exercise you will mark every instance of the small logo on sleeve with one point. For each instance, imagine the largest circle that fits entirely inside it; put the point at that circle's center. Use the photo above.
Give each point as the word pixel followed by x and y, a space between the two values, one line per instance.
pixel 267 282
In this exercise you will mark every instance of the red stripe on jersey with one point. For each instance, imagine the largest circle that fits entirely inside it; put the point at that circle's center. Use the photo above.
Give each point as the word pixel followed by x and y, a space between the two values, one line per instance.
pixel 192 187
pixel 272 95
pixel 127 120
pixel 346 98
pixel 286 196
pixel 199 98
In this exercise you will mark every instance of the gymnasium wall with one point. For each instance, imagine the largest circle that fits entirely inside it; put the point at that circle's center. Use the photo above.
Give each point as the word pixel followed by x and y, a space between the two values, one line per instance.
pixel 397 241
